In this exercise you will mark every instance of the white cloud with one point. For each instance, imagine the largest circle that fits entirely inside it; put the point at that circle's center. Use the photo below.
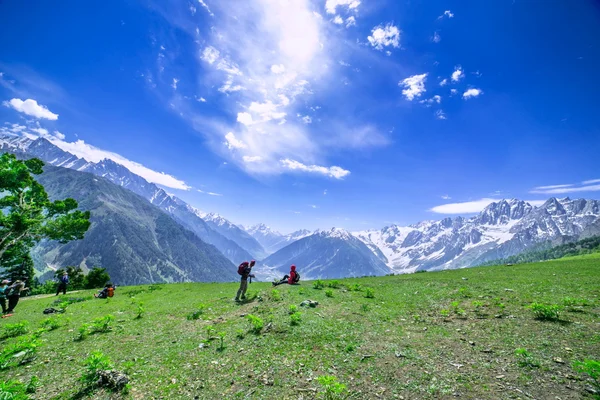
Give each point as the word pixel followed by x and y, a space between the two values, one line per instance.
pixel 251 159
pixel 436 37
pixel 331 5
pixel 16 128
pixel 244 118
pixel 203 4
pixel 193 10
pixel 32 108
pixel 591 181
pixel 306 119
pixel 350 21
pixel 472 93
pixel 429 102
pixel 586 186
pixel 439 114
pixel 446 197
pixel 414 86
pixel 453 91
pixel 333 172
pixel 174 84
pixel 210 54
pixel 313 206
pixel 233 143
pixel 59 135
pixel 458 74
pixel 202 100
pixel 338 20
pixel 94 154
pixel 39 131
pixel 444 82
pixel 446 13
pixel 210 193
pixel 382 36
pixel 468 207
pixel 278 69
pixel 325 192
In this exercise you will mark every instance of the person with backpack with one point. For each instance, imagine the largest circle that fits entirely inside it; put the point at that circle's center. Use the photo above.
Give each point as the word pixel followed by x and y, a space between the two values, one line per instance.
pixel 62 284
pixel 108 291
pixel 13 294
pixel 291 279
pixel 3 290
pixel 245 271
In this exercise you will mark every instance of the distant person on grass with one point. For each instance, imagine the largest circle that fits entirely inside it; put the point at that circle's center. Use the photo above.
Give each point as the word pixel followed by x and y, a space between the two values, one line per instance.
pixel 13 294
pixel 62 284
pixel 245 270
pixel 291 279
pixel 108 291
pixel 3 290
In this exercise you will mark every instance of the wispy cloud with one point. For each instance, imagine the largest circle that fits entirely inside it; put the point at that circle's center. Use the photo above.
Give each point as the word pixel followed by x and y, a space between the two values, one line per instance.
pixel 439 114
pixel 414 86
pixel 332 5
pixel 473 92
pixel 444 82
pixel 447 14
pixel 592 185
pixel 472 207
pixel 32 108
pixel 210 193
pixel 445 197
pixel 458 74
pixel 203 4
pixel 436 38
pixel 333 172
pixel 384 36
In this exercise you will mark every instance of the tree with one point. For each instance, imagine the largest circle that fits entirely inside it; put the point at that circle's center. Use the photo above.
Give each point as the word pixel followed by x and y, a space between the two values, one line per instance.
pixel 76 277
pixel 96 278
pixel 26 213
pixel 18 265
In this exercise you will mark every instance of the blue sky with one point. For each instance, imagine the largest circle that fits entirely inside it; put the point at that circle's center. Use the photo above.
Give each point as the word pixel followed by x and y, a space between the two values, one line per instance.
pixel 345 113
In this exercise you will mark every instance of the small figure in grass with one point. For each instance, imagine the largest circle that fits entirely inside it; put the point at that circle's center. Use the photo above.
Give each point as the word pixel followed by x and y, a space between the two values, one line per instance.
pixel 245 270
pixel 292 279
pixel 108 291
pixel 3 290
pixel 62 284
pixel 13 293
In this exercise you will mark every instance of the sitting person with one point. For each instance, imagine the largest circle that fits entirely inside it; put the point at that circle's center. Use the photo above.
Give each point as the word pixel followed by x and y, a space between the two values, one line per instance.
pixel 108 291
pixel 291 279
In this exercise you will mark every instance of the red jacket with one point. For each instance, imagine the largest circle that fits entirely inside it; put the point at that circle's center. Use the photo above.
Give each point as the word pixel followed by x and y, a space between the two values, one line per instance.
pixel 292 277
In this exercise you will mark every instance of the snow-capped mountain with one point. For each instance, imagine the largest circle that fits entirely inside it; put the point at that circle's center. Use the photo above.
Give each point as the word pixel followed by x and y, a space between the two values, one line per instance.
pixel 182 212
pixel 273 241
pixel 233 232
pixel 333 253
pixel 502 229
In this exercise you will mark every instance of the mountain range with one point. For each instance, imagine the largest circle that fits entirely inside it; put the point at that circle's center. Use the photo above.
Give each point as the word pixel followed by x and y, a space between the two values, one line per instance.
pixel 502 229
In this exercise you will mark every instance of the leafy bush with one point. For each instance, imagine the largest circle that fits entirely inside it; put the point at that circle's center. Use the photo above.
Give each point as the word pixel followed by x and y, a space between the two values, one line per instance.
pixel 455 306
pixel 464 292
pixel 102 324
pixel 140 310
pixel 524 359
pixel 301 291
pixel 445 313
pixel 25 346
pixel 295 318
pixel 334 284
pixel 68 301
pixel 592 369
pixel 210 330
pixel 52 323
pixel 83 331
pixel 14 330
pixel 221 336
pixel 318 284
pixel 332 389
pixel 365 307
pixel 96 278
pixel 545 312
pixel 369 293
pixel 357 287
pixel 13 390
pixel 240 334
pixel 275 295
pixel 96 362
pixel 32 385
pixel 256 322
pixel 329 293
pixel 293 308
pixel 198 313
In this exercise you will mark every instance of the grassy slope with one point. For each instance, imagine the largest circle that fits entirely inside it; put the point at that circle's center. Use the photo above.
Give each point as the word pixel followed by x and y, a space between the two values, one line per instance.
pixel 416 352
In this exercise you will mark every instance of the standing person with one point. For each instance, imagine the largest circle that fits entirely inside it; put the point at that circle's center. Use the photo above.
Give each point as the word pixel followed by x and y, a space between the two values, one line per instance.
pixel 13 295
pixel 62 284
pixel 245 270
pixel 290 279
pixel 3 289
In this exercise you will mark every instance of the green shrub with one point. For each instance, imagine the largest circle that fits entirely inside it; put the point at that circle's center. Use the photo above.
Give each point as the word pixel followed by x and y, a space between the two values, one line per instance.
pixel 524 359
pixel 318 284
pixel 592 369
pixel 445 313
pixel 52 323
pixel 26 347
pixel 140 310
pixel 545 312
pixel 293 308
pixel 329 293
pixel 295 318
pixel 369 293
pixel 221 336
pixel 32 385
pixel 96 362
pixel 68 301
pixel 357 287
pixel 210 330
pixel 257 323
pixel 365 307
pixel 275 295
pixel 102 324
pixel 83 331
pixel 240 334
pixel 14 330
pixel 332 389
pixel 334 284
pixel 13 390
pixel 464 292
pixel 301 291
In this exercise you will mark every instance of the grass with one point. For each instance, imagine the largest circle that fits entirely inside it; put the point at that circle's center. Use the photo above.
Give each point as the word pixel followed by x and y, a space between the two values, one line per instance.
pixel 425 336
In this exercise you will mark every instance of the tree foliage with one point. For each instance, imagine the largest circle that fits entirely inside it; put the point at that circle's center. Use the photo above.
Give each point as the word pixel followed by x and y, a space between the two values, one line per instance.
pixel 26 213
pixel 96 278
